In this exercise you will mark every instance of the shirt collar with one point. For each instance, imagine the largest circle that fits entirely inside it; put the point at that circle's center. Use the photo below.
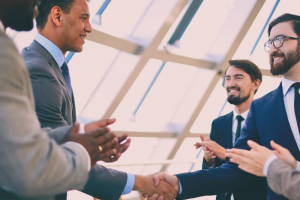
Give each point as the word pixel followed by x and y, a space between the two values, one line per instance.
pixel 244 114
pixel 51 48
pixel 286 85
pixel 1 26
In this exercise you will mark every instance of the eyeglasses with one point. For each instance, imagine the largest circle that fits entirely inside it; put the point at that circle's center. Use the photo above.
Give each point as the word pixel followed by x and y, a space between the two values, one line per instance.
pixel 277 42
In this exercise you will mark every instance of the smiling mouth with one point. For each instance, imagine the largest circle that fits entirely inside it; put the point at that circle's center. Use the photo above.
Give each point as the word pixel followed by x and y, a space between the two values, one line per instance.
pixel 277 59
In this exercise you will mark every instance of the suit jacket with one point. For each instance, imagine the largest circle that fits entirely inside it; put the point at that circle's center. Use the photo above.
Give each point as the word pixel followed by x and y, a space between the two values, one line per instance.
pixel 32 164
pixel 283 179
pixel 221 132
pixel 55 107
pixel 267 120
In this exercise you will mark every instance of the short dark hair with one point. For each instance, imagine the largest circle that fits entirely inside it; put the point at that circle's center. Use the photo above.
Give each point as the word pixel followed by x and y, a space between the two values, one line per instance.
pixel 45 8
pixel 294 19
pixel 249 67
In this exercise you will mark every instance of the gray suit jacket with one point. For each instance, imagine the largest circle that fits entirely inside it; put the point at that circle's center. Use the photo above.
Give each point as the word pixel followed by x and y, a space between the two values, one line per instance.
pixel 32 164
pixel 283 179
pixel 55 107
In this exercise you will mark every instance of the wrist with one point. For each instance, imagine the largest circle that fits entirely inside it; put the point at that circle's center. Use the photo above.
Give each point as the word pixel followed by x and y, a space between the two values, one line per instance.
pixel 223 155
pixel 295 164
pixel 139 183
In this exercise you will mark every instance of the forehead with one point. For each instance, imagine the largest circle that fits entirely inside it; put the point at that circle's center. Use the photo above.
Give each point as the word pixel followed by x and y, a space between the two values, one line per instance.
pixel 283 28
pixel 80 7
pixel 232 70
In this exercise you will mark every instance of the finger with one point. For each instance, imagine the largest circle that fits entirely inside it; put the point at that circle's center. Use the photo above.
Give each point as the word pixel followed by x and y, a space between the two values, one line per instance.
pixel 173 192
pixel 107 141
pixel 123 137
pixel 124 147
pixel 202 138
pixel 99 132
pixel 145 196
pixel 277 147
pixel 240 152
pixel 254 145
pixel 74 128
pixel 105 156
pixel 105 122
pixel 160 198
pixel 240 159
pixel 208 139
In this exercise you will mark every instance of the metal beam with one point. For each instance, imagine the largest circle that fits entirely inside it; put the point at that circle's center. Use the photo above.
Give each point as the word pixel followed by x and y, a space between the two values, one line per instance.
pixel 114 42
pixel 147 54
pixel 168 57
pixel 220 71
pixel 148 134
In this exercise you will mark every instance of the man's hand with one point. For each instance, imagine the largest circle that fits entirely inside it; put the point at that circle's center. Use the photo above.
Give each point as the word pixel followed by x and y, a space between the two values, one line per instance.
pixel 212 147
pixel 251 161
pixel 145 185
pixel 209 156
pixel 284 154
pixel 121 148
pixel 92 140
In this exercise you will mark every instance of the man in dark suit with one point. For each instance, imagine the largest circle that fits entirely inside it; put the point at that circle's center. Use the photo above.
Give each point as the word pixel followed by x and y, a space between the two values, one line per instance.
pixel 242 79
pixel 272 117
pixel 62 26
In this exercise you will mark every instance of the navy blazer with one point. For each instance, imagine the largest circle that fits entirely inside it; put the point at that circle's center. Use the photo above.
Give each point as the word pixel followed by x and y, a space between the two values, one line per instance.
pixel 267 120
pixel 221 133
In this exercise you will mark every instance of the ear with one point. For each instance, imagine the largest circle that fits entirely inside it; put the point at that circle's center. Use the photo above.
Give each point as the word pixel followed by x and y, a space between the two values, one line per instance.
pixel 256 84
pixel 56 15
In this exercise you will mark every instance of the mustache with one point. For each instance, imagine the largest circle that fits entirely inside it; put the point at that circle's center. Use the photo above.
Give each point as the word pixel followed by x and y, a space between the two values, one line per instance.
pixel 230 88
pixel 279 54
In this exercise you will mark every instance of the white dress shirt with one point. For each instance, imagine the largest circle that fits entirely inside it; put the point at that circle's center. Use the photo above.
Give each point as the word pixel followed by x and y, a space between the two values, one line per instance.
pixel 60 59
pixel 289 99
pixel 235 123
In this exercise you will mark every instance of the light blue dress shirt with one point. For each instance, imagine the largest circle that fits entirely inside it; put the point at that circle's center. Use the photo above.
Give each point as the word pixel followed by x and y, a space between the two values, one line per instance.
pixel 60 59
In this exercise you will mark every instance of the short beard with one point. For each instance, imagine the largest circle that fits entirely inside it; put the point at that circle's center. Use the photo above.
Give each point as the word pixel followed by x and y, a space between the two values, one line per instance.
pixel 290 59
pixel 237 100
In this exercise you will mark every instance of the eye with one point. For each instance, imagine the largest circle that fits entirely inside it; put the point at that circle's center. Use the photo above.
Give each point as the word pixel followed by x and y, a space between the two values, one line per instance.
pixel 227 78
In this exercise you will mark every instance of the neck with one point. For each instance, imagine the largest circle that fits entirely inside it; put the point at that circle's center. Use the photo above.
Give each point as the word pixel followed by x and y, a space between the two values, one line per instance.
pixel 52 36
pixel 241 108
pixel 294 73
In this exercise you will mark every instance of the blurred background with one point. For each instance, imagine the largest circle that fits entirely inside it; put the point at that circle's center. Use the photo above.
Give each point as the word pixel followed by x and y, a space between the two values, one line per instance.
pixel 157 66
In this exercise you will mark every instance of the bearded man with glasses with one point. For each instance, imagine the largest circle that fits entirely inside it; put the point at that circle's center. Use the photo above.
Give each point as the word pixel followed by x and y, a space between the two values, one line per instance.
pixel 275 116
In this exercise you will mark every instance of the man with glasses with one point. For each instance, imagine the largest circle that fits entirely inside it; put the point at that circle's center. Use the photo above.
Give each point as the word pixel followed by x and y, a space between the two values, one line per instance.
pixel 276 116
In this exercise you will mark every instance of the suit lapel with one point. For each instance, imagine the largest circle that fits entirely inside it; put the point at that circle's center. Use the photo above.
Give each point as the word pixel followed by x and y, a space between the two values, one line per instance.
pixel 43 52
pixel 280 121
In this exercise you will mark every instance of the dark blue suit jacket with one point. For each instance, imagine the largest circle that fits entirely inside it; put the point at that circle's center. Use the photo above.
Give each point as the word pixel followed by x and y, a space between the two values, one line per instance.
pixel 267 120
pixel 221 132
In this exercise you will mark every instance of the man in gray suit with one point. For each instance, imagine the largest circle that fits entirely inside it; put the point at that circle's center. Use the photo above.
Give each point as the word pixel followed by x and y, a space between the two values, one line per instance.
pixel 37 163
pixel 62 26
pixel 283 174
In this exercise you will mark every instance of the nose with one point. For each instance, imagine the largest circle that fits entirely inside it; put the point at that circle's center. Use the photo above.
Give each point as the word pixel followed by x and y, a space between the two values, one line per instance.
pixel 272 50
pixel 88 27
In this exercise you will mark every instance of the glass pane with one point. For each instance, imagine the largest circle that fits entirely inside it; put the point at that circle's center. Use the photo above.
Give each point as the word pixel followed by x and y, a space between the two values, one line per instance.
pixel 88 68
pixel 120 17
pixel 24 39
pixel 163 100
pixel 210 110
pixel 268 84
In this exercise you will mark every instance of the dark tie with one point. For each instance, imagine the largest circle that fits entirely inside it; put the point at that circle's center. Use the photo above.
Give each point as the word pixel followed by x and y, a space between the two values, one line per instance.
pixel 66 74
pixel 239 118
pixel 297 103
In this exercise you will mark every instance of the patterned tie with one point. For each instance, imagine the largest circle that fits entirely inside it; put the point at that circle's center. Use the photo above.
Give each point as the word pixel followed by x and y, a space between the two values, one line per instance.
pixel 66 74
pixel 297 103
pixel 239 127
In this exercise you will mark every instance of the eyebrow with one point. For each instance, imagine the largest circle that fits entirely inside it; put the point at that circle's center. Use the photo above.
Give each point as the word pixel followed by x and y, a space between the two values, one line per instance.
pixel 235 75
pixel 86 15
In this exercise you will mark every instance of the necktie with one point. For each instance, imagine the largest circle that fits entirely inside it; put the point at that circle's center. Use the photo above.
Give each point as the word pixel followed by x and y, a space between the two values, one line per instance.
pixel 297 103
pixel 239 127
pixel 66 74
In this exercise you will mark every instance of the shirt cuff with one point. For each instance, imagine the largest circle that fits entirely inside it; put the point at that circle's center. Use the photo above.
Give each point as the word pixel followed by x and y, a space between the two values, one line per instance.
pixel 180 187
pixel 129 184
pixel 85 152
pixel 267 164
pixel 298 167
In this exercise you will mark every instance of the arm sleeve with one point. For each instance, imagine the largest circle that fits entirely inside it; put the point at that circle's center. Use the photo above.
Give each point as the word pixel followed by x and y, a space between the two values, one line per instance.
pixel 32 164
pixel 226 178
pixel 283 179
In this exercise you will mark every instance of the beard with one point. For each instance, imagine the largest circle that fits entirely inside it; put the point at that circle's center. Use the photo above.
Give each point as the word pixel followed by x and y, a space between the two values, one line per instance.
pixel 237 100
pixel 289 60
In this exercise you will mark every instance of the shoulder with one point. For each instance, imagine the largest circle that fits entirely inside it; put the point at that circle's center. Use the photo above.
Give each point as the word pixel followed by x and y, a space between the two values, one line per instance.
pixel 222 119
pixel 263 100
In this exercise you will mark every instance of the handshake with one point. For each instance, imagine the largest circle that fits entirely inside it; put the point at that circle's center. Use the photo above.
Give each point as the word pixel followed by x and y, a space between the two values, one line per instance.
pixel 103 145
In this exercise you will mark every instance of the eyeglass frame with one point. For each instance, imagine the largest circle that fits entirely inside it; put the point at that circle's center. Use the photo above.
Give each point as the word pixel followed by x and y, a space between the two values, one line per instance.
pixel 272 41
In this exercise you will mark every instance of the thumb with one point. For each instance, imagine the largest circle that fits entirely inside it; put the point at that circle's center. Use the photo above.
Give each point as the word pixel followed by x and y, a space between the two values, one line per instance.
pixel 74 129
pixel 276 146
pixel 157 178
pixel 202 137
pixel 254 145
